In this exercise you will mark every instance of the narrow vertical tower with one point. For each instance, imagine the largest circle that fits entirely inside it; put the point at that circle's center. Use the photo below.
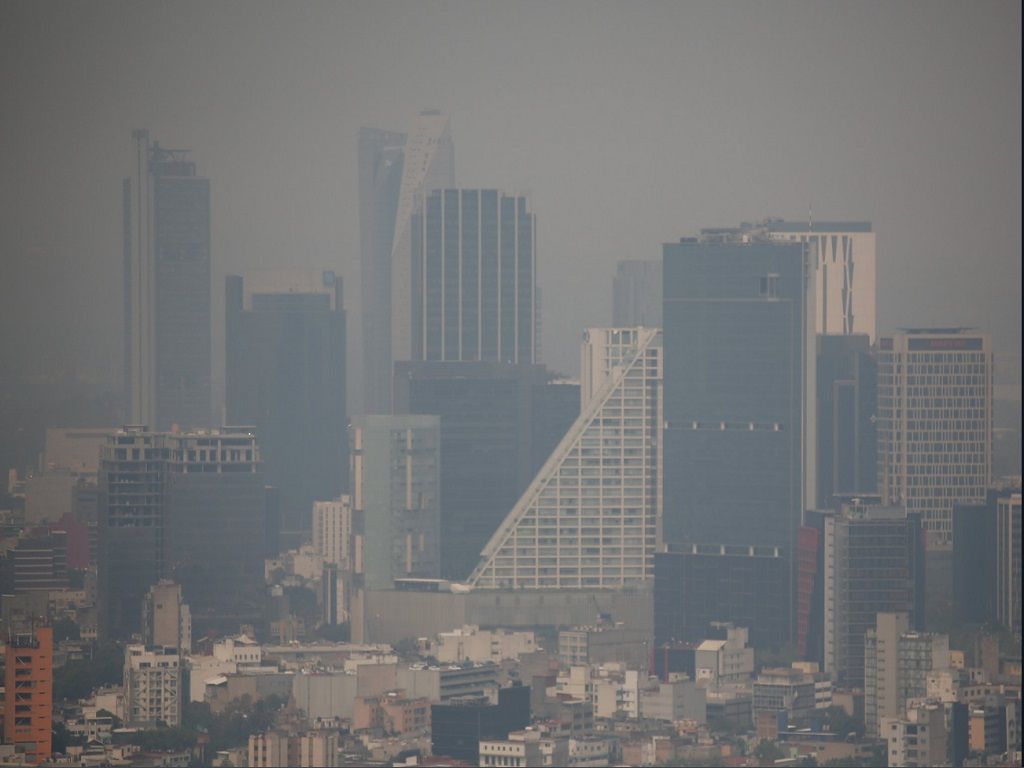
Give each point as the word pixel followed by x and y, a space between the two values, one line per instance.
pixel 166 240
pixel 28 680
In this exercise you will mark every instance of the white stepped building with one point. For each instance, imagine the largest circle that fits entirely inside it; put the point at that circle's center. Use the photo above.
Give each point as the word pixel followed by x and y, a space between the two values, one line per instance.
pixel 591 518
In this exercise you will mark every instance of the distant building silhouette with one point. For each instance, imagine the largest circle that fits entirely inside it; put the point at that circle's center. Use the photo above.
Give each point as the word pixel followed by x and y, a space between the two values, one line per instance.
pixel 636 294
pixel 395 170
pixel 166 239
pixel 286 377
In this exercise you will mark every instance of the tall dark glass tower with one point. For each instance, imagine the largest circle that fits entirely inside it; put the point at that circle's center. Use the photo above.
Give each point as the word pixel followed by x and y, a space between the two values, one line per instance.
pixel 167 347
pixel 847 401
pixel 739 395
pixel 474 275
pixel 286 377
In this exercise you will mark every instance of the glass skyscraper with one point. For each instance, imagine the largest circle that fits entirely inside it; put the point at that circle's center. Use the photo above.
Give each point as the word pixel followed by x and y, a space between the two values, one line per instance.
pixel 474 277
pixel 166 240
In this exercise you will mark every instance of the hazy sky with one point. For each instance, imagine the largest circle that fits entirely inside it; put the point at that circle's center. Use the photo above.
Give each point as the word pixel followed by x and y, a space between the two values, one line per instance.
pixel 628 124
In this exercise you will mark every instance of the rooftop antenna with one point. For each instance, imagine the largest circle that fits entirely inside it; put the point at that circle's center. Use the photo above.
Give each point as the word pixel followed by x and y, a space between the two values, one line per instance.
pixel 810 218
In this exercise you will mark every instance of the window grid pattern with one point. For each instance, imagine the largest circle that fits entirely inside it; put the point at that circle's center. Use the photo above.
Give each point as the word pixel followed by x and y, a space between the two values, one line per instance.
pixel 590 518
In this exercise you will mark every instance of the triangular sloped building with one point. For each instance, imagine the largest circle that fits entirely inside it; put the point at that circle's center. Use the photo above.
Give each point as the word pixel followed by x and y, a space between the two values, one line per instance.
pixel 591 517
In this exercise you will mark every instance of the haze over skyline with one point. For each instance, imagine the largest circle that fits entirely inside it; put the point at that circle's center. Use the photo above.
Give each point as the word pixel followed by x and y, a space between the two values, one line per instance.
pixel 627 128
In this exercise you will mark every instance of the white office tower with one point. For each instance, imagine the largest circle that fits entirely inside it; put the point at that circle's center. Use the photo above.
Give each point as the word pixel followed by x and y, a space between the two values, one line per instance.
pixel 429 164
pixel 591 516
pixel 845 275
pixel 935 423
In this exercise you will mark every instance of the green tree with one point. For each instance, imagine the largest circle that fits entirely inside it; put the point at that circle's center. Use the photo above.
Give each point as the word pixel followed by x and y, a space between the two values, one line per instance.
pixel 62 738
pixel 65 629
pixel 839 721
pixel 79 678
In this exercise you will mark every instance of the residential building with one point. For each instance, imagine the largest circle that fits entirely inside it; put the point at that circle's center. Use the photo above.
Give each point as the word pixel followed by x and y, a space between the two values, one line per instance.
pixel 28 683
pixel 935 424
pixel 847 375
pixel 590 516
pixel 470 643
pixel 153 685
pixel 897 663
pixel 636 294
pixel 722 660
pixel 268 749
pixel 396 496
pixel 528 747
pixel 392 712
pixel 395 171
pixel 286 379
pixel 873 563
pixel 167 332
pixel 672 701
pixel 739 404
pixel 917 740
pixel 604 643
pixel 333 532
pixel 39 563
pixel 166 619
pixel 790 690
pixel 473 277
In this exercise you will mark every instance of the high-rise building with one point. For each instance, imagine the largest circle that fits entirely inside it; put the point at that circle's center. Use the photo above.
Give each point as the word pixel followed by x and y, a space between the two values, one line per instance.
pixel 39 562
pixel 286 377
pixel 873 563
pixel 1008 562
pixel 130 527
pixel 395 171
pixel 188 506
pixel 332 531
pixel 216 507
pixel 556 406
pixel 166 619
pixel 396 486
pixel 935 423
pixel 152 685
pixel 486 413
pixel 896 666
pixel 974 560
pixel 739 404
pixel 847 401
pixel 636 294
pixel 845 274
pixel 590 516
pixel 474 275
pixel 166 238
pixel 28 682
pixel 697 585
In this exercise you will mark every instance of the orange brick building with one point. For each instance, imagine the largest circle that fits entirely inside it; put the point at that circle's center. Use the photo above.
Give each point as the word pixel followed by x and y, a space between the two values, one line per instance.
pixel 28 680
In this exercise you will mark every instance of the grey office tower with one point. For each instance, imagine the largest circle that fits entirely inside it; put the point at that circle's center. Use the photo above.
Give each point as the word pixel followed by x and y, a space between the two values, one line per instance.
pixel 474 277
pixel 166 243
pixel 739 396
pixel 286 377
